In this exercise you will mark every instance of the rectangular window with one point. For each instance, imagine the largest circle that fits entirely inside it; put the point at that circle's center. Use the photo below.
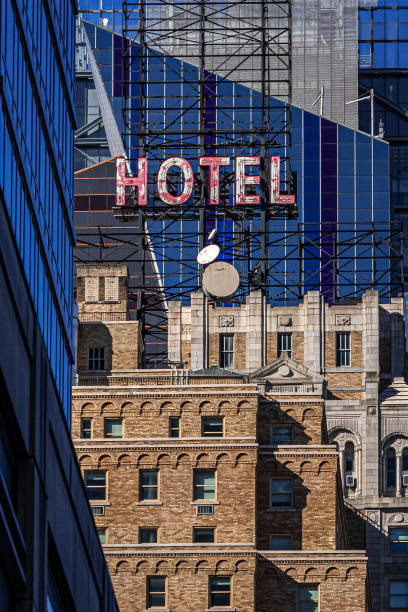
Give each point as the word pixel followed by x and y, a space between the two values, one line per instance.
pixel 111 289
pixel 86 428
pixel 149 485
pixel 281 493
pixel 101 534
pixel 148 535
pixel 398 540
pixel 203 535
pixel 398 595
pixel 96 358
pixel 220 591
pixel 343 351
pixel 285 344
pixel 282 435
pixel 91 289
pixel 308 599
pixel 204 484
pixel 212 427
pixel 174 427
pixel 226 350
pixel 156 592
pixel 113 428
pixel 95 483
pixel 281 542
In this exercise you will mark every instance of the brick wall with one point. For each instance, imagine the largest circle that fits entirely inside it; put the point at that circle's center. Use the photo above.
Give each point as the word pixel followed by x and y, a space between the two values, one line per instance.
pixel 121 341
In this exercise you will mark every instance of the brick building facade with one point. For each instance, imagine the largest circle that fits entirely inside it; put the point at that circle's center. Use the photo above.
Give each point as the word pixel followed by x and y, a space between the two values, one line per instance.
pixel 213 488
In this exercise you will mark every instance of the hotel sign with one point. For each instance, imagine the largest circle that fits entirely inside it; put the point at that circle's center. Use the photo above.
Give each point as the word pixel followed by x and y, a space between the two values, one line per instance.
pixel 241 181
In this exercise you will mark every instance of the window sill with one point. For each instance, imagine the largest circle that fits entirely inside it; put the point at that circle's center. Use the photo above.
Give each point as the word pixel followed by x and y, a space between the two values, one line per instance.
pixel 158 610
pixel 205 503
pixel 93 502
pixel 149 503
pixel 282 509
pixel 220 610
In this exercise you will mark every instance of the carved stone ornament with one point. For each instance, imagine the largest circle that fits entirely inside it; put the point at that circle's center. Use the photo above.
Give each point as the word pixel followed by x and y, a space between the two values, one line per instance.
pixel 373 517
pixel 186 329
pixel 285 321
pixel 343 319
pixel 396 518
pixel 227 321
pixel 284 370
pixel 371 410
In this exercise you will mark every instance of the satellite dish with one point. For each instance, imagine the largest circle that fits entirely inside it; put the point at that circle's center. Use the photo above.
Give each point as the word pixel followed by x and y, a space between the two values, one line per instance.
pixel 208 254
pixel 220 280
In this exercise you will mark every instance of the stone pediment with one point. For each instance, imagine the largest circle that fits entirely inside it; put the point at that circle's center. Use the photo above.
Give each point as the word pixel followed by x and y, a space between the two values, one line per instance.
pixel 289 376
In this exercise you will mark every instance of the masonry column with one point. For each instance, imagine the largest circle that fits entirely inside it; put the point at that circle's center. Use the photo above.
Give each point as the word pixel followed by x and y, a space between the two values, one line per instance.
pixel 398 474
pixel 199 331
pixel 313 330
pixel 371 363
pixel 256 334
pixel 174 331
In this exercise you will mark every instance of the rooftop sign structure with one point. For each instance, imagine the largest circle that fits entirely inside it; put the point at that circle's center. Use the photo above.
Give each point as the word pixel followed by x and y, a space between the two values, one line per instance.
pixel 242 181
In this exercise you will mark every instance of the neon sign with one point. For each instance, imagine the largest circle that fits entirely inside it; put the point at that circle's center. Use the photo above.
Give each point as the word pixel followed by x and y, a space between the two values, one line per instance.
pixel 241 180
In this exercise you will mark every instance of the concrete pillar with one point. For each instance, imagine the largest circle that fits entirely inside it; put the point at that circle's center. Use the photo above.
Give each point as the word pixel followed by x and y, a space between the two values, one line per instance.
pixel 341 459
pixel 370 459
pixel 398 475
pixel 199 331
pixel 314 326
pixel 174 330
pixel 256 332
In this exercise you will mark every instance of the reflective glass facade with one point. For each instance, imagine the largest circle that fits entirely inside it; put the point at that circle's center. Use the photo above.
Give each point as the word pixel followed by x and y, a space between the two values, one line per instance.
pixel 37 110
pixel 342 174
pixel 383 62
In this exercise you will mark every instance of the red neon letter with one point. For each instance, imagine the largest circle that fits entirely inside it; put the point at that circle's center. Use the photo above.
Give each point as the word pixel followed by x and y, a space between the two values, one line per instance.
pixel 241 180
pixel 139 181
pixel 187 171
pixel 214 187
pixel 275 195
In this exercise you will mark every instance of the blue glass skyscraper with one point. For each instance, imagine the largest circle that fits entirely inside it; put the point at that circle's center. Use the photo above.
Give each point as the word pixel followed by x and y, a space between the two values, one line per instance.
pixel 50 558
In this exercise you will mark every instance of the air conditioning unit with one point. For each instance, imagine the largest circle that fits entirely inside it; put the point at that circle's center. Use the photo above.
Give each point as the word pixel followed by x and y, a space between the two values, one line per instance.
pixel 205 509
pixel 405 479
pixel 98 510
pixel 350 479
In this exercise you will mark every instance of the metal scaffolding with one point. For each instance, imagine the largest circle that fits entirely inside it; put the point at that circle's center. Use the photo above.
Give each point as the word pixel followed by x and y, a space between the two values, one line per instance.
pixel 212 78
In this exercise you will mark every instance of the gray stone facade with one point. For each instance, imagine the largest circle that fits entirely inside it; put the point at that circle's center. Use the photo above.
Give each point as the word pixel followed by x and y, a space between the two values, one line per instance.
pixel 367 397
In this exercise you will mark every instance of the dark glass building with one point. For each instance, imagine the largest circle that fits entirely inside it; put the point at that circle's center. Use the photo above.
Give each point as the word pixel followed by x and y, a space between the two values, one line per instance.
pixel 383 66
pixel 50 557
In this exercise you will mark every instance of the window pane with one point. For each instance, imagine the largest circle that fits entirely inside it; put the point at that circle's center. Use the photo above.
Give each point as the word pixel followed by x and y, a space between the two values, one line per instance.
pixel 95 479
pixel 399 588
pixel 148 536
pixel 203 535
pixel 281 542
pixel 205 478
pixel 281 486
pixel 174 427
pixel 281 434
pixel 212 426
pixel 113 428
pixel 149 478
pixel 102 535
pixel 157 600
pixel 220 588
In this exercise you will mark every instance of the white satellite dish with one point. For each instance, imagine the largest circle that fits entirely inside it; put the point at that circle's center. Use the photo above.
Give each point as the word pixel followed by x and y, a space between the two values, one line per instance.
pixel 208 254
pixel 220 280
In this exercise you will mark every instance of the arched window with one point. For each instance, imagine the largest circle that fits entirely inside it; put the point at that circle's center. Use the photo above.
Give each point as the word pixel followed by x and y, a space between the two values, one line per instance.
pixel 391 468
pixel 349 457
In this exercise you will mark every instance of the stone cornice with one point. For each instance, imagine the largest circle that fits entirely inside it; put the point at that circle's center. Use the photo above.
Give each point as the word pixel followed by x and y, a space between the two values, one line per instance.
pixel 160 447
pixel 153 395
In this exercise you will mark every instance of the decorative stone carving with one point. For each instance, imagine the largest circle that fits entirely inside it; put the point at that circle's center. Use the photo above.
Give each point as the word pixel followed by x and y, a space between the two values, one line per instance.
pixel 285 321
pixel 396 518
pixel 343 319
pixel 186 329
pixel 371 410
pixel 284 370
pixel 373 517
pixel 227 321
